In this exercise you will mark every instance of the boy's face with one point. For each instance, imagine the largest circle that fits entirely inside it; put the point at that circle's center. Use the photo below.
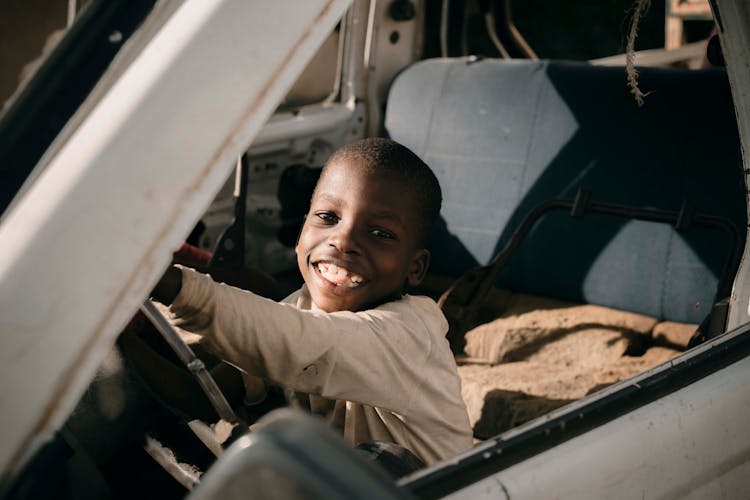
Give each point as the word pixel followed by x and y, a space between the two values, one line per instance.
pixel 358 246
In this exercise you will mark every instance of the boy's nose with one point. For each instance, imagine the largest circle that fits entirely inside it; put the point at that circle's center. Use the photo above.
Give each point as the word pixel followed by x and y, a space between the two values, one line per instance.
pixel 344 239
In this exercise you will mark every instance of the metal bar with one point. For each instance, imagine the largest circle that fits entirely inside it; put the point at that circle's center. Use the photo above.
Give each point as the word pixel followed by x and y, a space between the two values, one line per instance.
pixel 461 302
pixel 71 12
pixel 444 9
pixel 489 20
pixel 230 246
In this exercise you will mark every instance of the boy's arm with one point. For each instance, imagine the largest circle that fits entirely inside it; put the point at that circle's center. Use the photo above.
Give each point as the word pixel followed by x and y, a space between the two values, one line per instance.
pixel 371 359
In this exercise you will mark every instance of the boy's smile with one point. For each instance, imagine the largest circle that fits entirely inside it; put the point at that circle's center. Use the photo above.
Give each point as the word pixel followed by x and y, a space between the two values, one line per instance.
pixel 358 246
pixel 338 275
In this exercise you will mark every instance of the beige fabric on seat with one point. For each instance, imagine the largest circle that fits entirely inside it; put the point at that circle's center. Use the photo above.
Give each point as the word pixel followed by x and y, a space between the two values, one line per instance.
pixel 541 353
pixel 530 325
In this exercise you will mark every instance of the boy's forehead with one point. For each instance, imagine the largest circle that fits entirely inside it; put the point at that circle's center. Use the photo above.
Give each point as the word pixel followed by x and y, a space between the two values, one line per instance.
pixel 357 172
pixel 383 190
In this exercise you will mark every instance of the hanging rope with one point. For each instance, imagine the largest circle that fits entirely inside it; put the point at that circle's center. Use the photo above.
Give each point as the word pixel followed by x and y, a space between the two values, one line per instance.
pixel 641 6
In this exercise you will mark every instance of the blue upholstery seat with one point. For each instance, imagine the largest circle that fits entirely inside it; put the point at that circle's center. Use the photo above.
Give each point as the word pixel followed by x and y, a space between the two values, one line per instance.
pixel 504 136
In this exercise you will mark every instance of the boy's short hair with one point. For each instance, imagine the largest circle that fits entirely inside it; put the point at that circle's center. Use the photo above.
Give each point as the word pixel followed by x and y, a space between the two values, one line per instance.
pixel 377 154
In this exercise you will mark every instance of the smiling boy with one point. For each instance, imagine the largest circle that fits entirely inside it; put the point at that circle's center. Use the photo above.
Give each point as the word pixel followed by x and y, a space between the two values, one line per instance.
pixel 363 238
pixel 371 359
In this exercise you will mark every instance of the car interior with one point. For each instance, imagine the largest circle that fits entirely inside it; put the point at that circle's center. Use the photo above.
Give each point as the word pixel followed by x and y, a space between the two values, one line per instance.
pixel 581 242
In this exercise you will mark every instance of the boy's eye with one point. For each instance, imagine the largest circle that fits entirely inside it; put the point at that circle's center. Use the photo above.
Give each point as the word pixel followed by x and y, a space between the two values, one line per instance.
pixel 327 217
pixel 382 233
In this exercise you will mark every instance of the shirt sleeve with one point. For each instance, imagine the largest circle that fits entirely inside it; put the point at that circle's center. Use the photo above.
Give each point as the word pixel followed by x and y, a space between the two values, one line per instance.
pixel 375 357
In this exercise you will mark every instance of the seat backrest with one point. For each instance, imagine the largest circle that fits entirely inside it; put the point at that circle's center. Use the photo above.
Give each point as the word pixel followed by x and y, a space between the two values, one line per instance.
pixel 504 136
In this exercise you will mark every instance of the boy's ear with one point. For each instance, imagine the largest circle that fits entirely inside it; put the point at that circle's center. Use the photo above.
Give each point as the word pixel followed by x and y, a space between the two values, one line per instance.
pixel 418 267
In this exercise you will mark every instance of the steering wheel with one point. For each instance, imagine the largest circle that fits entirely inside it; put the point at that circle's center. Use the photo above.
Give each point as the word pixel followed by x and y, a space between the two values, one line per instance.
pixel 168 368
pixel 164 374
pixel 196 366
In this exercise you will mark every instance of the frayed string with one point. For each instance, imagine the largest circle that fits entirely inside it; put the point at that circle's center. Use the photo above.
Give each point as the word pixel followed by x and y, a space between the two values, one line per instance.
pixel 641 6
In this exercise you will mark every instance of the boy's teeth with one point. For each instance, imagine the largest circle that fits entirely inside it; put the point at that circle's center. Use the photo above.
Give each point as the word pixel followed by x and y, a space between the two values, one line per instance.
pixel 339 275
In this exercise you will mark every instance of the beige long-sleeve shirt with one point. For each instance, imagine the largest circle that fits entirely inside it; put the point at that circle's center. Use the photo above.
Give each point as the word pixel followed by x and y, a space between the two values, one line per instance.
pixel 384 374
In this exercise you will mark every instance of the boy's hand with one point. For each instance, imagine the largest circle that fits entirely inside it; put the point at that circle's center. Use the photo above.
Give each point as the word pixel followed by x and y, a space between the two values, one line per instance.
pixel 168 287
